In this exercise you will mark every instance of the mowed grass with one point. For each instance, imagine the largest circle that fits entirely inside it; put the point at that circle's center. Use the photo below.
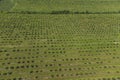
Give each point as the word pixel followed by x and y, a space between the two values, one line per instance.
pixel 6 5
pixel 70 5
pixel 59 47
pixel 60 5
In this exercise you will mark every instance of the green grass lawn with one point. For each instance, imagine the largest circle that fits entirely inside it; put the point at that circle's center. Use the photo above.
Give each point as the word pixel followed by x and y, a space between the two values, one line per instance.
pixel 6 5
pixel 59 47
pixel 60 5
pixel 71 5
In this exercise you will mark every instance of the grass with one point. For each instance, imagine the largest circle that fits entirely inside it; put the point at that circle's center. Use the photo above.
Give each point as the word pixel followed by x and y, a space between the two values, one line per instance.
pixel 45 46
pixel 6 5
pixel 70 5
pixel 47 6
pixel 59 47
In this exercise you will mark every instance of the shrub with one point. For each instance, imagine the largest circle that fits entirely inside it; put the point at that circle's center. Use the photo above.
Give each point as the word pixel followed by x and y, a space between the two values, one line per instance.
pixel 61 12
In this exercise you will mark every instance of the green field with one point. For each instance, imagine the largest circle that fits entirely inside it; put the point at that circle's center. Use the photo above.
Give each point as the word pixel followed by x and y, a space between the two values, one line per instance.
pixel 59 46
pixel 71 5
pixel 6 5
pixel 50 47
pixel 59 5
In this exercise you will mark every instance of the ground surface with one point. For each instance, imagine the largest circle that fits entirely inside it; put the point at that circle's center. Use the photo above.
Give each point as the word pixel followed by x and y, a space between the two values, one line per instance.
pixel 59 5
pixel 6 5
pixel 59 47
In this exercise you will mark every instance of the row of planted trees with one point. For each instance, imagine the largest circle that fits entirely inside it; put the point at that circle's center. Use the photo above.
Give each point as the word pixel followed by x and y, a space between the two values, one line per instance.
pixel 62 12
